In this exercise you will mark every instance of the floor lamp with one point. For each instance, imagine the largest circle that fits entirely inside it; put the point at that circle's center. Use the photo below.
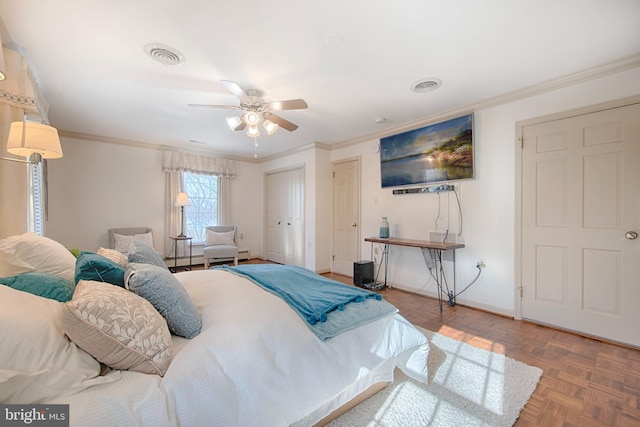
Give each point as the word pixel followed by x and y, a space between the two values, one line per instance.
pixel 182 200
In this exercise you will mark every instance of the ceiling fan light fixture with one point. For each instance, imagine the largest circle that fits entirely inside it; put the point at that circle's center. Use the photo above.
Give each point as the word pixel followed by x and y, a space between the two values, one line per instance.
pixel 253 131
pixel 252 118
pixel 234 122
pixel 270 127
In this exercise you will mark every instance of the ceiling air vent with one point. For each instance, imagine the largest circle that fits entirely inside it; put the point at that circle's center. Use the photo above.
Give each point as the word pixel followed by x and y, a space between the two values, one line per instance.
pixel 164 54
pixel 426 85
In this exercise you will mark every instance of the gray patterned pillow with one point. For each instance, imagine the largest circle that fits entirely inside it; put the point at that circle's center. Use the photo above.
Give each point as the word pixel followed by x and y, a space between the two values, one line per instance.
pixel 158 286
pixel 118 328
pixel 142 253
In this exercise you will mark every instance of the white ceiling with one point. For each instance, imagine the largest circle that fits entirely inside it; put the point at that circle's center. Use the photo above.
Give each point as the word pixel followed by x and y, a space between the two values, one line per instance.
pixel 353 61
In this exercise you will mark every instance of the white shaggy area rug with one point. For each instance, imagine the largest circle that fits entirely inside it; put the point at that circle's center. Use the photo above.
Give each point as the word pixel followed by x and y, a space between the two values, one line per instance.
pixel 467 386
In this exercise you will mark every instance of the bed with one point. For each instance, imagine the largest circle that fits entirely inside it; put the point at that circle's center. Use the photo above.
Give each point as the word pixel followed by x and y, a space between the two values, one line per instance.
pixel 253 360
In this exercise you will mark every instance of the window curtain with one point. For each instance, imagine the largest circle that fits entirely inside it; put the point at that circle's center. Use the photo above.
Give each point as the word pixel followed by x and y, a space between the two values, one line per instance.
pixel 172 213
pixel 174 164
pixel 19 96
pixel 224 205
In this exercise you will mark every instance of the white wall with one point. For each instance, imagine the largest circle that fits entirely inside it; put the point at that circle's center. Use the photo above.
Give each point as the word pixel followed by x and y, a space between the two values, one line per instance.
pixel 98 185
pixel 488 201
pixel 247 207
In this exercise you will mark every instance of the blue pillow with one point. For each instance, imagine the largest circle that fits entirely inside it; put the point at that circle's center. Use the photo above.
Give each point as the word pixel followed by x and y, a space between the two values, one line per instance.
pixel 41 284
pixel 158 286
pixel 144 254
pixel 90 266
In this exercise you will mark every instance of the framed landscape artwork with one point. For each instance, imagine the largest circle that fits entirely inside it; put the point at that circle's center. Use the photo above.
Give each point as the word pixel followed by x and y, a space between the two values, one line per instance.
pixel 435 153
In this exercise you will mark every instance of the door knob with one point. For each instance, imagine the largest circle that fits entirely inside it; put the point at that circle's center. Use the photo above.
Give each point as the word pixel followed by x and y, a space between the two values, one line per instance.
pixel 631 235
pixel 354 225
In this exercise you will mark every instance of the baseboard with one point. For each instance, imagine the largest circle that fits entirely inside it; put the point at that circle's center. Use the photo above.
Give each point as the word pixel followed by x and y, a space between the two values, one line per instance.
pixel 460 301
pixel 183 261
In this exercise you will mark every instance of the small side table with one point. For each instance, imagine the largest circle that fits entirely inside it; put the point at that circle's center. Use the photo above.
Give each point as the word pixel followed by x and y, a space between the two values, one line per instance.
pixel 177 239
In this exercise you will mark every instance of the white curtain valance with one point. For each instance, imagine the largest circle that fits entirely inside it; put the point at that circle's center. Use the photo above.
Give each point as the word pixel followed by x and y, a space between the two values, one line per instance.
pixel 185 162
pixel 21 88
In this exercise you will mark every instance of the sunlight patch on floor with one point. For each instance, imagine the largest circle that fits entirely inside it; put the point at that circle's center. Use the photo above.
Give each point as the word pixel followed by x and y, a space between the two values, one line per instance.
pixel 474 340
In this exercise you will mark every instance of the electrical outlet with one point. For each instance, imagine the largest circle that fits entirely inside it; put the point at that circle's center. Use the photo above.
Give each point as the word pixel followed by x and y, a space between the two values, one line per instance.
pixel 481 264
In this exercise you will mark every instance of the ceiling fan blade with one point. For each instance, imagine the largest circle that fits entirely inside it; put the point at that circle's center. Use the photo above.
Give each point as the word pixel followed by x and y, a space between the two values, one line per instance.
pixel 291 104
pixel 229 107
pixel 241 126
pixel 285 124
pixel 234 88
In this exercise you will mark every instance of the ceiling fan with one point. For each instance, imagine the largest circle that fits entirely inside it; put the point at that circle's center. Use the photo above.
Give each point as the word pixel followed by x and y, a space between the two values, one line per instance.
pixel 256 110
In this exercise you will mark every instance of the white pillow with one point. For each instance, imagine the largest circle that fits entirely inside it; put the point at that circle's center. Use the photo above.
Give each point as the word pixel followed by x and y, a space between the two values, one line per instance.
pixel 122 241
pixel 37 360
pixel 30 252
pixel 215 238
pixel 8 270
pixel 115 256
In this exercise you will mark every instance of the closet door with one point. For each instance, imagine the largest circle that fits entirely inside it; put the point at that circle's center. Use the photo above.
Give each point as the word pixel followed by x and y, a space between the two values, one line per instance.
pixel 276 200
pixel 294 219
pixel 285 217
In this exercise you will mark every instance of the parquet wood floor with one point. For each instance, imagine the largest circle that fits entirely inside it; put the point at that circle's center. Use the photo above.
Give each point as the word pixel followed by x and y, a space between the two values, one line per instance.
pixel 585 382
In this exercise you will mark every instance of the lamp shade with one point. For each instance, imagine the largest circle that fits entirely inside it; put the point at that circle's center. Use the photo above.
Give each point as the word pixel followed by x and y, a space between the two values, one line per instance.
pixel 270 127
pixel 182 200
pixel 253 131
pixel 234 122
pixel 27 138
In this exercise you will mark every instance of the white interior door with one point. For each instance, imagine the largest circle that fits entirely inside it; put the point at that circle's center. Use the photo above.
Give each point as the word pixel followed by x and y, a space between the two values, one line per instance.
pixel 580 261
pixel 285 217
pixel 276 195
pixel 346 216
pixel 294 218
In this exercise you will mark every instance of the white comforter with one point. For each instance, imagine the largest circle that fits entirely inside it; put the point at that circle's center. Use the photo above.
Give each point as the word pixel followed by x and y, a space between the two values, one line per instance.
pixel 254 363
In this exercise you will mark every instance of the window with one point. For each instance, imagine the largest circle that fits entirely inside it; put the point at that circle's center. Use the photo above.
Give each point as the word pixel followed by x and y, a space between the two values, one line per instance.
pixel 203 211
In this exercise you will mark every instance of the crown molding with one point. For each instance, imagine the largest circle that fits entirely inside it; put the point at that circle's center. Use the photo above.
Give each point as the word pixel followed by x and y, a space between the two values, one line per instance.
pixel 312 146
pixel 622 64
pixel 150 146
pixel 162 147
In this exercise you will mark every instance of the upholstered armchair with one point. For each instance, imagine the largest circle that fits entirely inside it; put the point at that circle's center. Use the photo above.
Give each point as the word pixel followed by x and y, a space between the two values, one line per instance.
pixel 220 244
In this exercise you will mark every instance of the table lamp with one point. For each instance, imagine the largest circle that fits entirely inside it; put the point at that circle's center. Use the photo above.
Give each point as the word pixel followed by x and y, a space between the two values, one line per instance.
pixel 182 200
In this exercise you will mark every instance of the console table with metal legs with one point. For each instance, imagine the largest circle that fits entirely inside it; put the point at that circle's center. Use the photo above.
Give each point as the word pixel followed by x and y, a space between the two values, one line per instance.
pixel 432 254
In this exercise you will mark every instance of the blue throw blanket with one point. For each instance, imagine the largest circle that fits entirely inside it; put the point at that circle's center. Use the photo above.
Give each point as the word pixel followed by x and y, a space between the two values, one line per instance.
pixel 325 305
